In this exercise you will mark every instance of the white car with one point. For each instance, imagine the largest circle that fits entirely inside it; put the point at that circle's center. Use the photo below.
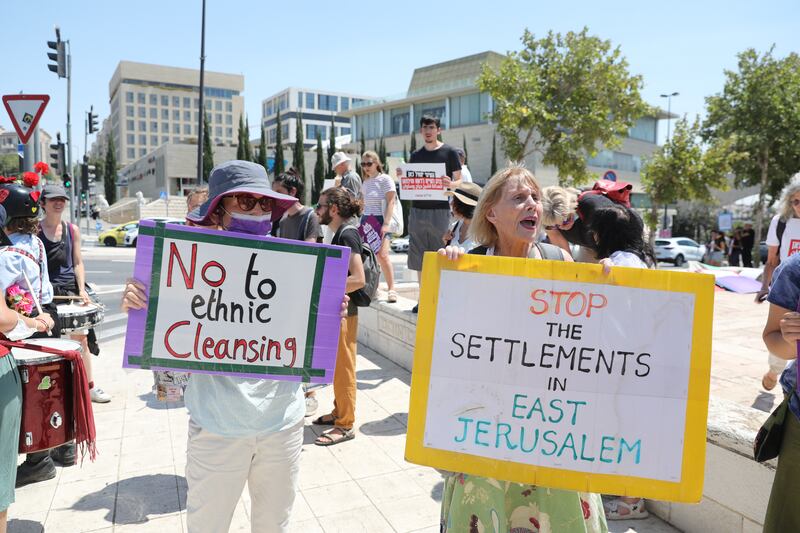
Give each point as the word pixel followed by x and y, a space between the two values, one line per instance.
pixel 132 234
pixel 399 244
pixel 678 250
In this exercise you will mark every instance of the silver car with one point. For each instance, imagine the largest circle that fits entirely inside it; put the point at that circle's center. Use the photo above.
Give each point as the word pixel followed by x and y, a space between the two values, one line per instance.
pixel 678 250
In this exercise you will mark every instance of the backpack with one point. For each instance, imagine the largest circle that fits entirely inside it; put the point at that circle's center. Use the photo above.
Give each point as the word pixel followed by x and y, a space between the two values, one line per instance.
pixel 372 274
pixel 779 232
pixel 304 225
pixel 617 191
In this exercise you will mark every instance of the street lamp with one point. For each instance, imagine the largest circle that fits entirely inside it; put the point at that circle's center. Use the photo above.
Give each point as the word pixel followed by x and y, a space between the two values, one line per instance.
pixel 669 121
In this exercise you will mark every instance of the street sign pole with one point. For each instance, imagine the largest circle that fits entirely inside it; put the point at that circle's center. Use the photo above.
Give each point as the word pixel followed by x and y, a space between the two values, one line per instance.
pixel 37 146
pixel 27 158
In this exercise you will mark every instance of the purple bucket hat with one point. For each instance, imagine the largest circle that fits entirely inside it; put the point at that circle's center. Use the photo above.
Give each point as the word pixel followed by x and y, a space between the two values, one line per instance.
pixel 239 176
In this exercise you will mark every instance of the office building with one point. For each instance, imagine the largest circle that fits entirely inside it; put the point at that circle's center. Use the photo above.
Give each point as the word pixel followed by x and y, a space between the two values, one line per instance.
pixel 153 105
pixel 315 107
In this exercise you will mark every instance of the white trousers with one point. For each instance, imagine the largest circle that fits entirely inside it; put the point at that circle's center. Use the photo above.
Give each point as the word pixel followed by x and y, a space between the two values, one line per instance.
pixel 217 468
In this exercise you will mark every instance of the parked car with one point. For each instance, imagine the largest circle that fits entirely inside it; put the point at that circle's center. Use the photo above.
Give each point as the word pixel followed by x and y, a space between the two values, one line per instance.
pixel 133 234
pixel 678 250
pixel 116 235
pixel 400 244
pixel 763 252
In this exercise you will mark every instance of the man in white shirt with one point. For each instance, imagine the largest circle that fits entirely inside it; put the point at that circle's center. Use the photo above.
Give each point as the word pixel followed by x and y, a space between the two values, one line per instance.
pixel 466 175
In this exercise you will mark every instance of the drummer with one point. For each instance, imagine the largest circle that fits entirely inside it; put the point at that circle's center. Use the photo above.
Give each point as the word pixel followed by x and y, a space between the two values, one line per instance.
pixel 26 258
pixel 10 387
pixel 62 240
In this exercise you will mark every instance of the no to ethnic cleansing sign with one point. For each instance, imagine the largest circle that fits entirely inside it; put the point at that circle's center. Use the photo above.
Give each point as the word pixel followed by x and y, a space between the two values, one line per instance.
pixel 553 374
pixel 234 304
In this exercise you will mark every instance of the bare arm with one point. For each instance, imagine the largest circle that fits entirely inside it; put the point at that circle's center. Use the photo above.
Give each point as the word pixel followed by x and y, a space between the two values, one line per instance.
pixel 455 181
pixel 782 332
pixel 355 277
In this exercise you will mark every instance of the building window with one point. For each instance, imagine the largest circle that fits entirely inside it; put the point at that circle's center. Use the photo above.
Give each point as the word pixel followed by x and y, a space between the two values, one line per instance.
pixel 142 112
pixel 615 161
pixel 645 129
pixel 153 127
pixel 176 101
pixel 285 131
pixel 435 109
pixel 468 109
pixel 131 152
pixel 328 103
pixel 313 129
pixel 154 140
pixel 269 109
pixel 218 118
pixel 208 104
pixel 272 135
pixel 345 103
pixel 142 125
pixel 229 132
pixel 310 97
pixel 187 129
pixel 129 111
pixel 197 116
pixel 229 107
pixel 129 97
pixel 143 140
pixel 165 127
pixel 228 119
pixel 142 152
pixel 344 131
pixel 369 125
pixel 129 125
pixel 131 138
pixel 153 112
pixel 299 99
pixel 187 102
pixel 187 116
pixel 164 139
pixel 165 114
pixel 164 100
pixel 399 120
pixel 218 131
pixel 176 114
pixel 140 98
pixel 176 128
pixel 153 99
pixel 218 105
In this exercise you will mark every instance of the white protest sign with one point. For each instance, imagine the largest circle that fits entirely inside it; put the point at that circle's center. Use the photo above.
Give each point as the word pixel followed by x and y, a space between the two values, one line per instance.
pixel 422 181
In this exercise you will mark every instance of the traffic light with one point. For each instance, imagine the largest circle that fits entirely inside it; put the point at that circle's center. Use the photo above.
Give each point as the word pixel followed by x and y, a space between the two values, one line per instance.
pixel 92 121
pixel 66 179
pixel 84 176
pixel 57 155
pixel 60 56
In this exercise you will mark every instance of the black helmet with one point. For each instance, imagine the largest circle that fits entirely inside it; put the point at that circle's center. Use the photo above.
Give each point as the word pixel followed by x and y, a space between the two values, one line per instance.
pixel 19 201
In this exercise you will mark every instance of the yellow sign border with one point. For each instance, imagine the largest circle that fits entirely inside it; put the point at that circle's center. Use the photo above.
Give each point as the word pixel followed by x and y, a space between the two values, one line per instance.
pixel 689 489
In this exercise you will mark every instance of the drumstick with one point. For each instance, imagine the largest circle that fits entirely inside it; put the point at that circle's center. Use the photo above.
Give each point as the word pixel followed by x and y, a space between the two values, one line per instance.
pixel 67 298
pixel 35 299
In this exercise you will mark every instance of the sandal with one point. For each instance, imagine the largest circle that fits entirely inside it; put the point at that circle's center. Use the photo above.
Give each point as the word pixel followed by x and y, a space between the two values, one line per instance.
pixel 618 509
pixel 335 436
pixel 324 420
pixel 392 297
pixel 769 381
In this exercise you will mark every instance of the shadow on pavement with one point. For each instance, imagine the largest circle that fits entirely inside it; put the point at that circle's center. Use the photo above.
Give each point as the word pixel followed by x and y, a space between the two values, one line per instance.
pixel 24 526
pixel 389 426
pixel 765 401
pixel 135 500
pixel 152 402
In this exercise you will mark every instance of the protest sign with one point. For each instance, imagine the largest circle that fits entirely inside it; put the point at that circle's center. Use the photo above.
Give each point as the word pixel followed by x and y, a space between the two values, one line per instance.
pixel 235 304
pixel 422 181
pixel 554 374
pixel 370 230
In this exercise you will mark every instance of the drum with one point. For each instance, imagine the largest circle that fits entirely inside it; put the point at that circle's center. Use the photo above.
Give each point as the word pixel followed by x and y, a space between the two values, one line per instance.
pixel 77 317
pixel 47 411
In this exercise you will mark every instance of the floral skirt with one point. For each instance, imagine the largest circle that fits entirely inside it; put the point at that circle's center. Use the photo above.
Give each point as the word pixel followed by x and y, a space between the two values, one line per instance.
pixel 472 504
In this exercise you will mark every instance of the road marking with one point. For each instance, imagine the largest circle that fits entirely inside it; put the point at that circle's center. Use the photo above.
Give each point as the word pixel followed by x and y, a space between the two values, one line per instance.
pixel 122 260
pixel 97 271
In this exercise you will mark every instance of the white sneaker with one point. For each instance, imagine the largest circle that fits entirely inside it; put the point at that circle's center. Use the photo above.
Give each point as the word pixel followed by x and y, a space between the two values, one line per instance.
pixel 99 395
pixel 311 405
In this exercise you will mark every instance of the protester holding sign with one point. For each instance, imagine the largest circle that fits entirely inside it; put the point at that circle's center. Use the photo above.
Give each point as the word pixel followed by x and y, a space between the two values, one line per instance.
pixel 240 429
pixel 379 195
pixel 507 222
pixel 429 219
pixel 299 223
pixel 781 336
pixel 340 210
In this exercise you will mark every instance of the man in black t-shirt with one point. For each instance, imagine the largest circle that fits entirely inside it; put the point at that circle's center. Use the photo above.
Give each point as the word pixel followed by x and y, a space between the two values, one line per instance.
pixel 429 220
pixel 748 241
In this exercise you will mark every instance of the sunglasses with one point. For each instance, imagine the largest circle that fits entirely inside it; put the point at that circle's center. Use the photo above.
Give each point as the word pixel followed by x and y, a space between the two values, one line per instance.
pixel 557 226
pixel 248 203
pixel 367 164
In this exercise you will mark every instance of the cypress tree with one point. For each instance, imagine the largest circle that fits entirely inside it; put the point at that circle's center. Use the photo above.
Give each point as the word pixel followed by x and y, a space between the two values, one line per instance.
pixel 262 150
pixel 332 145
pixel 382 153
pixel 363 142
pixel 208 152
pixel 299 156
pixel 248 149
pixel 278 168
pixel 494 155
pixel 405 153
pixel 465 149
pixel 319 171
pixel 413 142
pixel 240 137
pixel 110 172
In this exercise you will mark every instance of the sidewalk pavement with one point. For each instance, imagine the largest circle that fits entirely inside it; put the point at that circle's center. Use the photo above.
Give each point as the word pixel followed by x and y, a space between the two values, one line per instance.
pixel 137 482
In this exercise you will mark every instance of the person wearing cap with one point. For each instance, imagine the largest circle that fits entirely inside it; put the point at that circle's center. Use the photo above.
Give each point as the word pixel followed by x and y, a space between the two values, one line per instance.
pixel 466 175
pixel 464 199
pixel 62 242
pixel 26 257
pixel 16 326
pixel 240 429
pixel 345 176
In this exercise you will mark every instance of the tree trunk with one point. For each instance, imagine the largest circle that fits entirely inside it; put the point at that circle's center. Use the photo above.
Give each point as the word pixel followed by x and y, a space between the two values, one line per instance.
pixel 653 223
pixel 760 207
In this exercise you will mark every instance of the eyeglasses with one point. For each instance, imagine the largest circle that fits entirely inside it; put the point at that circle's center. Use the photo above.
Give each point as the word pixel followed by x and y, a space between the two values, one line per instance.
pixel 367 164
pixel 247 202
pixel 318 205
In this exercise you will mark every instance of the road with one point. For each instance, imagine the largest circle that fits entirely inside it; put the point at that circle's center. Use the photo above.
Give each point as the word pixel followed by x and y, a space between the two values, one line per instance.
pixel 107 269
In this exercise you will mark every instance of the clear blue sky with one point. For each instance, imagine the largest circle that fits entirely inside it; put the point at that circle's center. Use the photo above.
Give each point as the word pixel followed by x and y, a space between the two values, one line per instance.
pixel 373 48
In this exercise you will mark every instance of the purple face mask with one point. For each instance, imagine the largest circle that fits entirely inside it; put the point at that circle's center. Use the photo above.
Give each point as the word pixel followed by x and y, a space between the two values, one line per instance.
pixel 250 224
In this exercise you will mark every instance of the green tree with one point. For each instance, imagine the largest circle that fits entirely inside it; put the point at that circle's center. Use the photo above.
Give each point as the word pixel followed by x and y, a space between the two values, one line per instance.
pixel 405 153
pixel 683 170
pixel 241 142
pixel 9 164
pixel 562 97
pixel 110 172
pixel 262 150
pixel 208 151
pixel 363 142
pixel 298 157
pixel 332 146
pixel 279 166
pixel 382 152
pixel 493 170
pixel 758 111
pixel 319 171
pixel 248 148
pixel 413 147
